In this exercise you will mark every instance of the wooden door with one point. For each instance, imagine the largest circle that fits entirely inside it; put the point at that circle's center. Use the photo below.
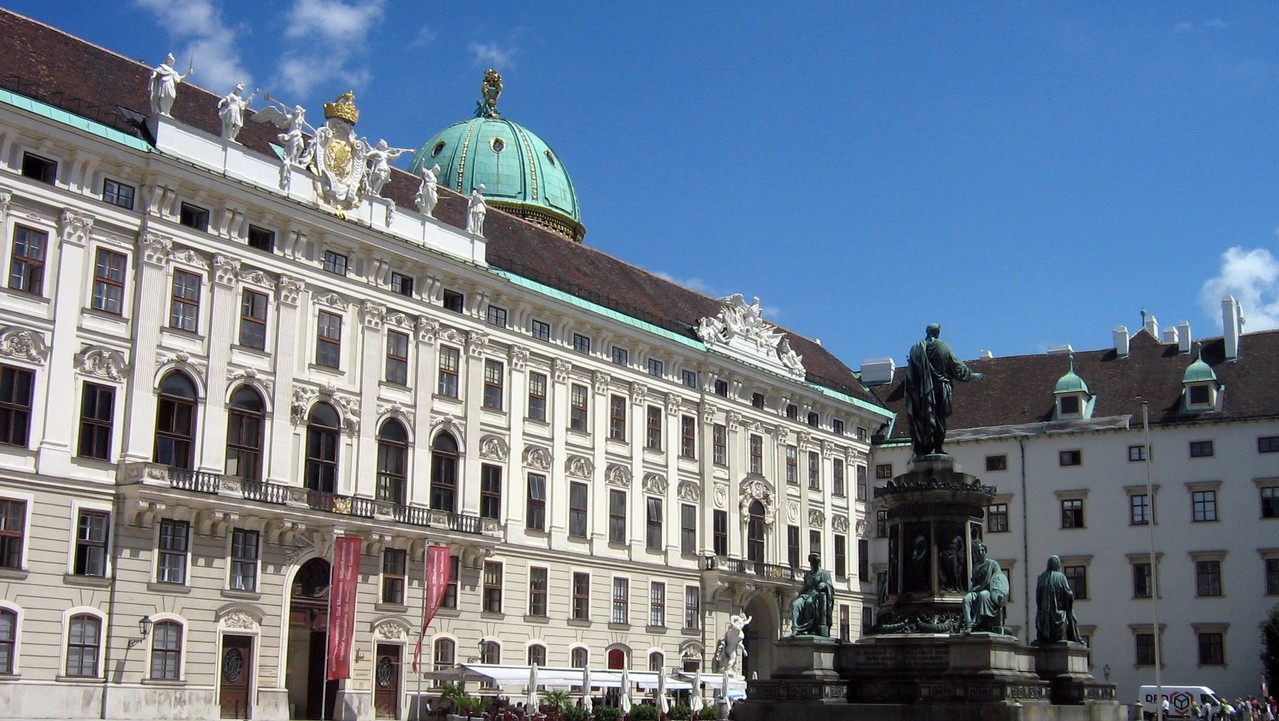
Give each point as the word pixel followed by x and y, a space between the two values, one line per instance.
pixel 386 681
pixel 237 673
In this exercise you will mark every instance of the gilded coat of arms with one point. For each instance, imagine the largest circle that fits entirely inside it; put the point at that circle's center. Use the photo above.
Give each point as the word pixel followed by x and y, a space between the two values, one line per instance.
pixel 339 159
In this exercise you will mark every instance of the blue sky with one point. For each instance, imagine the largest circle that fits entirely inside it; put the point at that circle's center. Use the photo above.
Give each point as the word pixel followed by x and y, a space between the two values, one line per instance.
pixel 1027 174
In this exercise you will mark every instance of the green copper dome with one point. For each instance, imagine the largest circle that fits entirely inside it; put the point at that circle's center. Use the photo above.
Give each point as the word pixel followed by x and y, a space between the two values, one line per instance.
pixel 521 174
pixel 1199 372
pixel 1070 383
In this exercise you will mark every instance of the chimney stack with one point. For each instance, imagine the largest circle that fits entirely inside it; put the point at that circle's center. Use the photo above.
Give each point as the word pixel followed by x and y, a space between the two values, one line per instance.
pixel 1121 341
pixel 1170 335
pixel 1184 345
pixel 1149 323
pixel 1231 326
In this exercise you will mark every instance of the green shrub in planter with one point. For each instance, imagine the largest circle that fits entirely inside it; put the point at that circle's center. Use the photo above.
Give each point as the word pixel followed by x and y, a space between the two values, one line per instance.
pixel 576 713
pixel 709 713
pixel 607 713
pixel 645 713
pixel 680 713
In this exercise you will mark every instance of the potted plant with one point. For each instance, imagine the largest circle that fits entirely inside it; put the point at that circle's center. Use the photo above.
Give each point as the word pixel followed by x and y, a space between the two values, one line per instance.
pixel 680 713
pixel 607 713
pixel 556 701
pixel 576 713
pixel 645 713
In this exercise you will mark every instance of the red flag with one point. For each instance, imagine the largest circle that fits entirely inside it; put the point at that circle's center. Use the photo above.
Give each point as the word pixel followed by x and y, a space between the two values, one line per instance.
pixel 435 583
pixel 342 586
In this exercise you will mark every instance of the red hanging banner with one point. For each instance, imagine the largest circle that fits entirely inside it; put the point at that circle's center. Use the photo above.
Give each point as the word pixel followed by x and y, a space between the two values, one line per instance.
pixel 342 588
pixel 435 583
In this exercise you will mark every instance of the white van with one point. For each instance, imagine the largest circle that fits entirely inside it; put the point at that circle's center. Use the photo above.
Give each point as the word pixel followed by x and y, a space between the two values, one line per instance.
pixel 1179 701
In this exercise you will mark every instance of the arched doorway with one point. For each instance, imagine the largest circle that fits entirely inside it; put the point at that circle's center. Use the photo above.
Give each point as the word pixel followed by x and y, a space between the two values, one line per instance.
pixel 310 697
pixel 760 637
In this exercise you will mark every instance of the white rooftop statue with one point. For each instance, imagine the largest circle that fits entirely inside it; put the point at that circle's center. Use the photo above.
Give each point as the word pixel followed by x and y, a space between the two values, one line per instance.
pixel 231 111
pixel 475 210
pixel 379 158
pixel 428 193
pixel 293 123
pixel 163 88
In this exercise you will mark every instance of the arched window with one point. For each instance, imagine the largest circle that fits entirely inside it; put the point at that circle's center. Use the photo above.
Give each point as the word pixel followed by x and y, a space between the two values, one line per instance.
pixel 245 421
pixel 755 533
pixel 166 650
pixel 175 422
pixel 537 654
pixel 322 449
pixel 84 639
pixel 444 473
pixel 616 658
pixel 655 661
pixel 392 462
pixel 8 640
pixel 490 652
pixel 443 653
pixel 579 657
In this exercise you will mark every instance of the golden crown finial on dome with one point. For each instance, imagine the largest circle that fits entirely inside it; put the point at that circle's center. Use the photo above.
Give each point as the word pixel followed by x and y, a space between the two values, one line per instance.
pixel 343 108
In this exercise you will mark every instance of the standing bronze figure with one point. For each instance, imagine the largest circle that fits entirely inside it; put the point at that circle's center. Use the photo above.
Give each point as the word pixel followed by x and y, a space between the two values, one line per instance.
pixel 930 369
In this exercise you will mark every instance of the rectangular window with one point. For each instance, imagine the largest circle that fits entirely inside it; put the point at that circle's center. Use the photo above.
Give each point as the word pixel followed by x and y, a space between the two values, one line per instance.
pixel 1077 576
pixel 616 516
pixel 815 542
pixel 687 529
pixel 490 491
pixel 108 281
pixel 1070 458
pixel 1212 648
pixel 997 518
pixel 540 330
pixel 692 608
pixel 997 463
pixel 653 428
pixel 1208 578
pixel 581 596
pixel 719 532
pixel 328 340
pixel 837 478
pixel 581 343
pixel 793 551
pixel 719 444
pixel 1268 444
pixel 117 193
pixel 394 573
pixel 1201 449
pixel 1145 648
pixel 841 556
pixel 1142 582
pixel 38 168
pixel 91 543
pixel 792 465
pixel 578 494
pixel 621 356
pixel 97 411
pixel 621 601
pixel 863 558
pixel 450 591
pixel 1272 576
pixel 1203 506
pixel 193 216
pixel 535 513
pixel 244 559
pixel 13 515
pixel 689 377
pixel 1270 502
pixel 688 436
pixel 792 411
pixel 335 263
pixel 1136 454
pixel 1138 509
pixel 537 396
pixel 579 396
pixel 657 604
pixel 863 483
pixel 184 308
pixel 845 630
pixel 496 316
pixel 656 368
pixel 402 284
pixel 537 587
pixel 617 418
pixel 814 471
pixel 756 454
pixel 450 360
pixel 757 400
pixel 84 641
pixel 397 357
pixel 881 522
pixel 1072 513
pixel 454 302
pixel 814 420
pixel 492 587
pixel 26 264
pixel 883 471
pixel 261 239
pixel 171 558
pixel 837 426
pixel 16 389
pixel 653 524
pixel 253 319
pixel 494 378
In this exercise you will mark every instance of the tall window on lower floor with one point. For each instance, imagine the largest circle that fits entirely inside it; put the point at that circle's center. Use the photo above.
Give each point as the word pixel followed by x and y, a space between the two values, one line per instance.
pixel 1142 582
pixel 845 629
pixel 244 559
pixel 657 604
pixel 687 529
pixel 97 410
pixel 108 281
pixel 692 608
pixel 621 601
pixel 84 641
pixel 1212 646
pixel 1270 501
pixel 537 586
pixel 91 543
pixel 8 640
pixel 444 457
pixel 166 651
pixel 494 383
pixel 450 590
pixel 755 526
pixel 792 546
pixel 1072 513
pixel 653 428
pixel 616 516
pixel 26 263
pixel 841 556
pixel 997 518
pixel 1208 577
pixel 13 518
pixel 537 655
pixel 492 587
pixel 253 319
pixel 537 396
pixel 322 449
pixel 172 547
pixel 490 491
pixel 578 494
pixel 656 661
pixel 579 658
pixel 535 513
pixel 394 573
pixel 392 462
pixel 328 340
pixel 175 422
pixel 863 559
pixel 581 596
pixel 617 418
pixel 397 357
pixel 1138 509
pixel 444 654
pixel 653 524
pixel 1144 648
pixel 246 419
pixel 1272 576
pixel 1203 505
pixel 719 532
pixel 1077 577
pixel 184 305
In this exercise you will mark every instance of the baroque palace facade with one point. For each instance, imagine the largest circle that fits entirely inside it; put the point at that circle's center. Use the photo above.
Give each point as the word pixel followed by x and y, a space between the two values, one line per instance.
pixel 214 363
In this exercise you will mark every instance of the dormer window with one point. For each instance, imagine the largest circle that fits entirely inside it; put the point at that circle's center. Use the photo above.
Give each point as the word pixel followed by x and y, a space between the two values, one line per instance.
pixel 1074 400
pixel 1199 386
pixel 1067 406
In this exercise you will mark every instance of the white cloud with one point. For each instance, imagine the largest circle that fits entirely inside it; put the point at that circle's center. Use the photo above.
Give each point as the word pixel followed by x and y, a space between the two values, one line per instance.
pixel 696 284
pixel 1252 277
pixel 210 42
pixel 1180 28
pixel 1216 23
pixel 493 55
pixel 325 38
pixel 425 36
